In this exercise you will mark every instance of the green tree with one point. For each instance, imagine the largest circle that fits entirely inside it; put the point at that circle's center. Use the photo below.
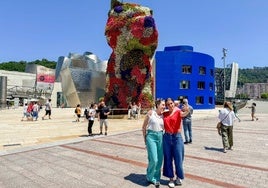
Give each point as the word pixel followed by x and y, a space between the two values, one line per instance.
pixel 13 66
pixel 255 75
pixel 264 95
pixel 21 65
pixel 45 63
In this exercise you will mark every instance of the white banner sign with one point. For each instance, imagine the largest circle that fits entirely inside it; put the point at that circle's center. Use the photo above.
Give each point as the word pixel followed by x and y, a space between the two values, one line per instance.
pixel 45 78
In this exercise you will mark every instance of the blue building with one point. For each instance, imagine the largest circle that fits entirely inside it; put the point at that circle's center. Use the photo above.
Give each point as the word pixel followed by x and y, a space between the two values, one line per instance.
pixel 182 73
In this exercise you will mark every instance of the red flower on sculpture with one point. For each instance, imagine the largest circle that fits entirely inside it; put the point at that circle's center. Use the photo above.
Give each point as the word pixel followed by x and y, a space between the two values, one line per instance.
pixel 135 71
pixel 149 40
pixel 137 28
pixel 146 61
pixel 141 79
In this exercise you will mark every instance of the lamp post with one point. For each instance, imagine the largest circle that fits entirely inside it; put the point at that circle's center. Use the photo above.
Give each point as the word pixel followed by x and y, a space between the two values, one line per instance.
pixel 224 51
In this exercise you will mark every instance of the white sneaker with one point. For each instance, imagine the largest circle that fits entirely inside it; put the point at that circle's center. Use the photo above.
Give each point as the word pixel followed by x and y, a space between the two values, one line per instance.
pixel 171 184
pixel 178 181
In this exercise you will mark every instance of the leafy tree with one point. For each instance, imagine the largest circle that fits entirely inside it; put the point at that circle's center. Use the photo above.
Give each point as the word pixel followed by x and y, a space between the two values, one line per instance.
pixel 264 95
pixel 21 65
pixel 45 63
pixel 255 75
pixel 241 96
pixel 13 66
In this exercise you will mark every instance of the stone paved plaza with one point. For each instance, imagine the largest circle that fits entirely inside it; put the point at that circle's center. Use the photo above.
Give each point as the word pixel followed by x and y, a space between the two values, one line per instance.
pixel 57 153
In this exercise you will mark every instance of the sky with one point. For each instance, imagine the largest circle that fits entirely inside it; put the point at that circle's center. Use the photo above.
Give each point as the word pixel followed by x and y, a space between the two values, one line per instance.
pixel 36 29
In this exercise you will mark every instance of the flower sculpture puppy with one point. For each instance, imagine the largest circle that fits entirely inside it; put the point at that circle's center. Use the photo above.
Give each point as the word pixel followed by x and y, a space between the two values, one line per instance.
pixel 132 35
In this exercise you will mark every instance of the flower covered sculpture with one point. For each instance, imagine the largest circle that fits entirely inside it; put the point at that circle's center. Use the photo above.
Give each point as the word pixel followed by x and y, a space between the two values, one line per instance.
pixel 132 35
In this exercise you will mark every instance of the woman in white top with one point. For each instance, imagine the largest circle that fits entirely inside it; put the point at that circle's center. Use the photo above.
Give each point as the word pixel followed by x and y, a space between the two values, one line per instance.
pixel 25 113
pixel 227 117
pixel 91 116
pixel 134 110
pixel 152 128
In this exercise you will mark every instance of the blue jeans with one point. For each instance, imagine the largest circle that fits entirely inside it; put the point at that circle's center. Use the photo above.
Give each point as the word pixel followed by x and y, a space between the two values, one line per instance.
pixel 173 147
pixel 187 128
pixel 154 147
pixel 35 115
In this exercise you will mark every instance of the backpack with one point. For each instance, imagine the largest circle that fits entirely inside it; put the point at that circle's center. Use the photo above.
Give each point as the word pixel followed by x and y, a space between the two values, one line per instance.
pixel 86 113
pixel 75 111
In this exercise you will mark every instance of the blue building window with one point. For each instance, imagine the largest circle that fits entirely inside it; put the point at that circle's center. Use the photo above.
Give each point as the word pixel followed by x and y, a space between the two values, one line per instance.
pixel 201 85
pixel 211 86
pixel 184 84
pixel 199 100
pixel 186 69
pixel 202 70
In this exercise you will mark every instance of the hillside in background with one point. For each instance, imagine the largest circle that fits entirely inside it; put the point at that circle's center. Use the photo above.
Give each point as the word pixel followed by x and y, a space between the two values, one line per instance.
pixel 21 65
pixel 255 75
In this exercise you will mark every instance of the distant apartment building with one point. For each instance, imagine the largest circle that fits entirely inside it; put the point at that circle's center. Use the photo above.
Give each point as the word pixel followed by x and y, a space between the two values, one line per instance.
pixel 254 90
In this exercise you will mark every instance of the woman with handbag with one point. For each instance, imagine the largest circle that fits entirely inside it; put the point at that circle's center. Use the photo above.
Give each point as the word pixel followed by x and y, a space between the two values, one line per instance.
pixel 227 118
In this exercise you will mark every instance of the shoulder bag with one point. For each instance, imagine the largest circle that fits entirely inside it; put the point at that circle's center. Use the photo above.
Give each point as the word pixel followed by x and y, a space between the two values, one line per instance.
pixel 219 124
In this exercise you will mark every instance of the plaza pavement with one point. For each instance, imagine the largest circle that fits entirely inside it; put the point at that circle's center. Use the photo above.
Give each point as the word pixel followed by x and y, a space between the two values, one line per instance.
pixel 57 153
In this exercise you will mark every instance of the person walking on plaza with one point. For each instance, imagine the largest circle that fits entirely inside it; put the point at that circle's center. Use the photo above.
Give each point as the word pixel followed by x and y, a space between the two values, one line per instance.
pixel 139 111
pixel 235 110
pixel 253 111
pixel 187 123
pixel 129 108
pixel 152 130
pixel 78 112
pixel 35 111
pixel 103 112
pixel 227 118
pixel 85 113
pixel 91 116
pixel 25 113
pixel 134 110
pixel 48 108
pixel 173 145
pixel 30 112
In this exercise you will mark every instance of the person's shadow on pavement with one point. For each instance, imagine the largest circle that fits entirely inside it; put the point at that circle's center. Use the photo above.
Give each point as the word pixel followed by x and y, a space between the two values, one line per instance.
pixel 139 179
pixel 213 149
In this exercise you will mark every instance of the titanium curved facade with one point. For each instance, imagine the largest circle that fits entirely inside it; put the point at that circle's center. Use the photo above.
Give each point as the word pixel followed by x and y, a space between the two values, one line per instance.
pixel 182 73
pixel 82 78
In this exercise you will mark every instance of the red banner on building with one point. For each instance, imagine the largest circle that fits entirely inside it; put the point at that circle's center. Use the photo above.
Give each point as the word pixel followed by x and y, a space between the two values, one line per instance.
pixel 45 78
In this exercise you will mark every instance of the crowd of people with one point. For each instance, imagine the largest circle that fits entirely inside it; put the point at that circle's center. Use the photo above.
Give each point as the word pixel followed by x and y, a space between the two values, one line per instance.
pixel 134 110
pixel 32 109
pixel 100 110
pixel 162 131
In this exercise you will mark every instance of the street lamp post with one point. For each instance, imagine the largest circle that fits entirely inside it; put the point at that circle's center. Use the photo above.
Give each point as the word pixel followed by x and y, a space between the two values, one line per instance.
pixel 224 51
